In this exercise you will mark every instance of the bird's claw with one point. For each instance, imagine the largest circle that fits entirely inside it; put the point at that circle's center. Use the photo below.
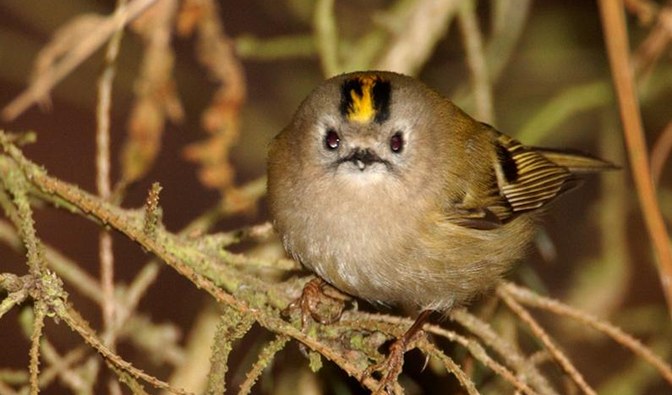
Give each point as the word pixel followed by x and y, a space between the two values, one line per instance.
pixel 390 368
pixel 313 296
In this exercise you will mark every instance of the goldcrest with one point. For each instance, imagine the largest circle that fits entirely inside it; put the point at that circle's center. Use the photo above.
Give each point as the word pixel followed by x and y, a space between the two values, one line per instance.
pixel 391 193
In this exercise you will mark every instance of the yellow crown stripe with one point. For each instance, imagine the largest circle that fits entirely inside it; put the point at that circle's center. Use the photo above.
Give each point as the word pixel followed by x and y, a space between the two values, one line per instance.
pixel 365 99
pixel 362 109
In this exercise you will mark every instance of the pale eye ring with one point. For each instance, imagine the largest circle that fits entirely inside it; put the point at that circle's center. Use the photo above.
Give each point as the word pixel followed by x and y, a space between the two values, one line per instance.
pixel 397 142
pixel 332 140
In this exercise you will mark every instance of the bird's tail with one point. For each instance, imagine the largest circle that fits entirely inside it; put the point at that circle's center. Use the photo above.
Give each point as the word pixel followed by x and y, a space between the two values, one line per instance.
pixel 575 161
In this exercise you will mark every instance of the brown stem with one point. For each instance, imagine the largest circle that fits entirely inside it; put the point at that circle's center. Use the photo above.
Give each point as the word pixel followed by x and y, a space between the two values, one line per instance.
pixel 615 35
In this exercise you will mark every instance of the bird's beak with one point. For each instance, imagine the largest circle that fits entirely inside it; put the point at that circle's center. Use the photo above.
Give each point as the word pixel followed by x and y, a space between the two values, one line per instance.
pixel 362 158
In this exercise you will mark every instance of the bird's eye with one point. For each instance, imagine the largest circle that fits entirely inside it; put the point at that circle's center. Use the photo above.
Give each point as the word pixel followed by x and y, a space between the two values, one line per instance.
pixel 332 140
pixel 397 142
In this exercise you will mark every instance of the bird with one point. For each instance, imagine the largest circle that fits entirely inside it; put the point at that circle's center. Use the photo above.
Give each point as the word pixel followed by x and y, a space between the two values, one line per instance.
pixel 389 192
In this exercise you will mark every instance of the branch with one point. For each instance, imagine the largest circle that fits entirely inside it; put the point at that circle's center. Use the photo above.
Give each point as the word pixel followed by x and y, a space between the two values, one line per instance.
pixel 84 48
pixel 615 35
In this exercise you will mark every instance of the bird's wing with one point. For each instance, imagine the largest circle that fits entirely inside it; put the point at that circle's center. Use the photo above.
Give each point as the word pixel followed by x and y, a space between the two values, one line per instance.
pixel 527 180
pixel 523 180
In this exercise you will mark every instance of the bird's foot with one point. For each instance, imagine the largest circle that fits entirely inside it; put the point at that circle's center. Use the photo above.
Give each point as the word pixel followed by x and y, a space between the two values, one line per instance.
pixel 319 301
pixel 391 367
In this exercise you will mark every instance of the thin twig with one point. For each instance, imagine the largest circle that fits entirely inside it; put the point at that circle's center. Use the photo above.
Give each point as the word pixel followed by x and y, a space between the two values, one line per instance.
pixel 40 311
pixel 473 45
pixel 103 184
pixel 553 349
pixel 508 24
pixel 615 35
pixel 527 297
pixel 79 325
pixel 661 152
pixel 658 39
pixel 480 354
pixel 232 327
pixel 155 96
pixel 276 48
pixel 6 389
pixel 264 359
pixel 508 351
pixel 221 120
pixel 11 300
pixel 602 284
pixel 65 268
pixel 645 9
pixel 64 368
pixel 450 366
pixel 87 46
pixel 326 37
pixel 104 189
pixel 17 289
pixel 415 38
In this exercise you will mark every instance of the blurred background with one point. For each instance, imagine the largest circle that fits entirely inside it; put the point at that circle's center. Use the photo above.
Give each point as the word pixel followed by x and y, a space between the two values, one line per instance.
pixel 548 82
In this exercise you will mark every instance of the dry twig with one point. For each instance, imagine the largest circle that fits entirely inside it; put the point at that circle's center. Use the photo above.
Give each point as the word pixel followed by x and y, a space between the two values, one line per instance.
pixel 529 298
pixel 81 51
pixel 615 35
